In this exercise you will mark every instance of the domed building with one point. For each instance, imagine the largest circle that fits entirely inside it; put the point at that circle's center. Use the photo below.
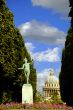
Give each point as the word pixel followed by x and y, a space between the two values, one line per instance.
pixel 51 85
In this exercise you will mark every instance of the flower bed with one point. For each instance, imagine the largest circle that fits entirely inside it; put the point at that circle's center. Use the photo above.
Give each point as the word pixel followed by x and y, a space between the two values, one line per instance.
pixel 35 106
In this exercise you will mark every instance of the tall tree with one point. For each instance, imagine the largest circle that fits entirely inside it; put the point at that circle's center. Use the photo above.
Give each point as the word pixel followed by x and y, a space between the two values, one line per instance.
pixel 12 53
pixel 66 74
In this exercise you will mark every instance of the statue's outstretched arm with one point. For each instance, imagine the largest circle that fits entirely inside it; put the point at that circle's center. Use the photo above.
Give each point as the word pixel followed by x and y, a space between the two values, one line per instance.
pixel 22 67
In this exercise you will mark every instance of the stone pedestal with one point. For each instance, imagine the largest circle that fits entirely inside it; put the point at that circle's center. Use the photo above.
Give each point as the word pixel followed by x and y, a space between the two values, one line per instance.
pixel 27 94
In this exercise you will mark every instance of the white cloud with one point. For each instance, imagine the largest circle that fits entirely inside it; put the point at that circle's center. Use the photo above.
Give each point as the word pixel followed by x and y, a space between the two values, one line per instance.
pixel 30 46
pixel 49 55
pixel 42 32
pixel 60 6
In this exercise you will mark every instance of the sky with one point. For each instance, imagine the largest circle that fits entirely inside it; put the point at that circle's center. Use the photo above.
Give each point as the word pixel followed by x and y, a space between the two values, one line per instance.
pixel 43 25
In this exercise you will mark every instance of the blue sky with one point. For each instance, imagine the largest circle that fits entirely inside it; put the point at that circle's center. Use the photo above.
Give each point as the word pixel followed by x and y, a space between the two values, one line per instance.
pixel 43 25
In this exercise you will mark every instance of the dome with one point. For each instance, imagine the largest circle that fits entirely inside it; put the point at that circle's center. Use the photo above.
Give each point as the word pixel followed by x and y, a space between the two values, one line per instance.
pixel 52 80
pixel 51 86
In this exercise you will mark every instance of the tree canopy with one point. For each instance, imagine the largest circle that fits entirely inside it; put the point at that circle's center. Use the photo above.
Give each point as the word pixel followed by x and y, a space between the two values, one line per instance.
pixel 66 74
pixel 12 53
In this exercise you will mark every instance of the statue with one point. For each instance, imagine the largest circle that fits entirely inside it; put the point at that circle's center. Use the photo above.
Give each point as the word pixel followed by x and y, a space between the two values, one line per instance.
pixel 26 68
pixel 51 72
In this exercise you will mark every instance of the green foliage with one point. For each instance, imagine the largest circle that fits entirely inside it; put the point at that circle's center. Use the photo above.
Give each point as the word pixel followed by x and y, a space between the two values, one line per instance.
pixel 38 97
pixel 66 74
pixel 33 80
pixel 6 97
pixel 55 98
pixel 12 53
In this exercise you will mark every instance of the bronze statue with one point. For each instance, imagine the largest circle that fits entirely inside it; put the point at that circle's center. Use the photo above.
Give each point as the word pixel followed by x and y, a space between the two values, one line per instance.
pixel 26 68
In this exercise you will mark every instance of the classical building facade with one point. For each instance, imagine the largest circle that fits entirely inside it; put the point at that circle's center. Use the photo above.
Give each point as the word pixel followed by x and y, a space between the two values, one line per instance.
pixel 51 85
